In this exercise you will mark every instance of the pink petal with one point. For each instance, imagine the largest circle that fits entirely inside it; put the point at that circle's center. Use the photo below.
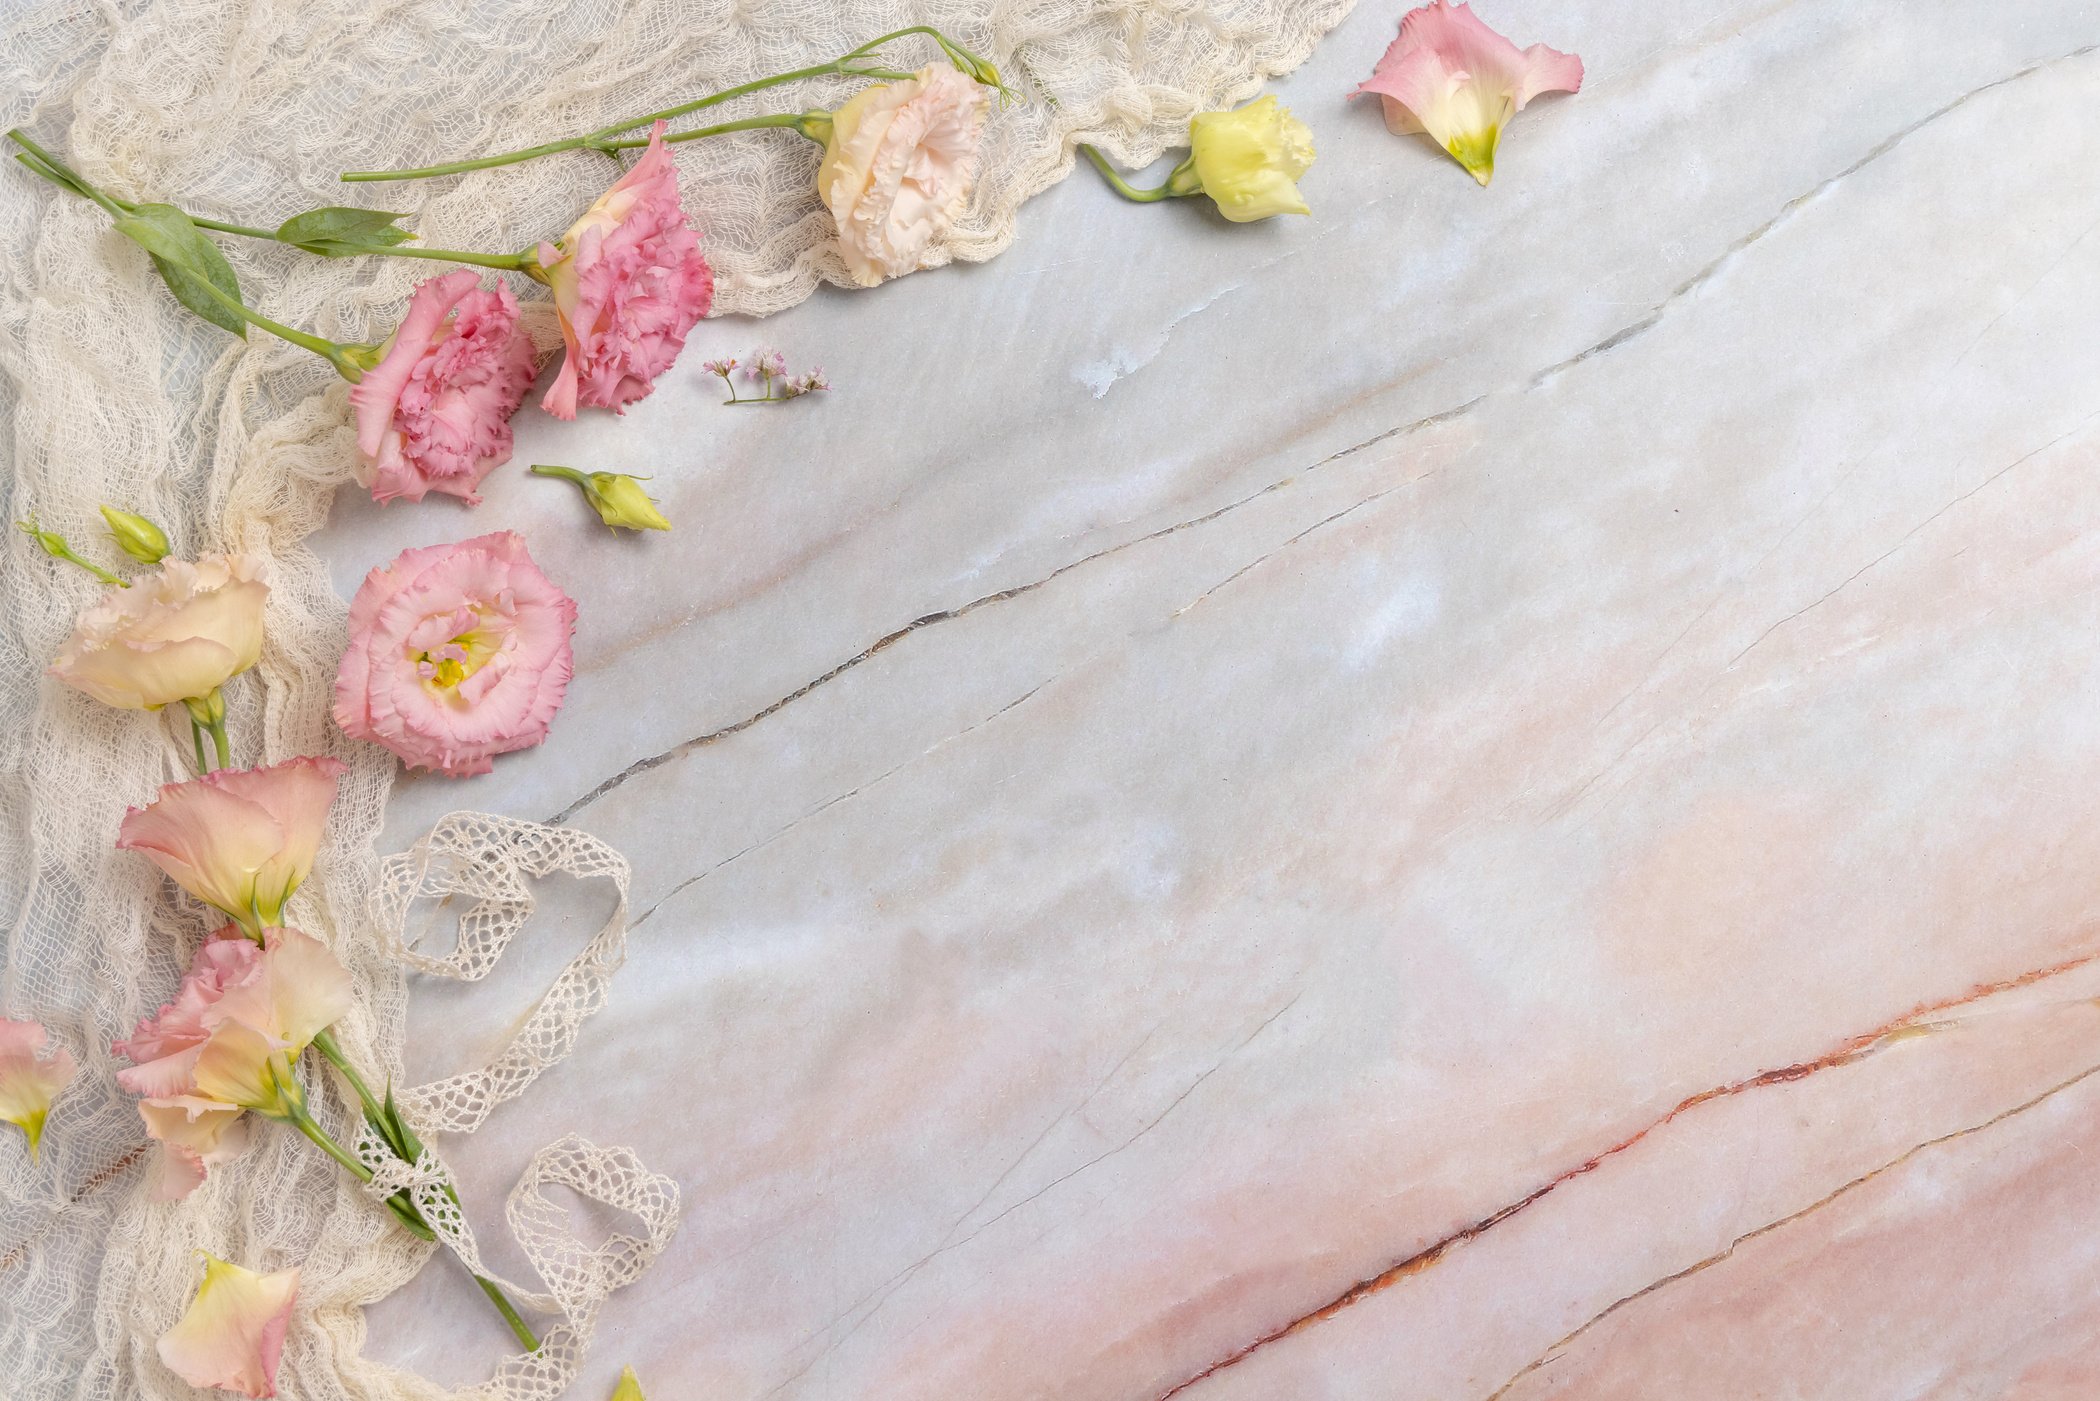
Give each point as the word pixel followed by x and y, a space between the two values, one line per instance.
pixel 232 1335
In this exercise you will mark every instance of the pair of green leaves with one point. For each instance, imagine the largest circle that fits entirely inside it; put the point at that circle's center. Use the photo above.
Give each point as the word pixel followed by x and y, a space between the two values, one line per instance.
pixel 198 274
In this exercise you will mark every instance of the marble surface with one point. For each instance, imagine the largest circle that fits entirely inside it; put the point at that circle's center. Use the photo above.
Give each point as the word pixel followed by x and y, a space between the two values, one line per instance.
pixel 1491 793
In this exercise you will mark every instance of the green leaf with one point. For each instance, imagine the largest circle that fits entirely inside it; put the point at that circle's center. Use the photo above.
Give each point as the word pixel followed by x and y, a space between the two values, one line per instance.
pixel 629 1389
pixel 186 261
pixel 338 231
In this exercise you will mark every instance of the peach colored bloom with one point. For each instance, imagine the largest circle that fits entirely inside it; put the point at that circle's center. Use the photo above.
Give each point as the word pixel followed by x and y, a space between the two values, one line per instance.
pixel 226 1042
pixel 1453 77
pixel 899 168
pixel 232 1334
pixel 629 282
pixel 30 1078
pixel 176 634
pixel 240 840
pixel 457 653
pixel 434 413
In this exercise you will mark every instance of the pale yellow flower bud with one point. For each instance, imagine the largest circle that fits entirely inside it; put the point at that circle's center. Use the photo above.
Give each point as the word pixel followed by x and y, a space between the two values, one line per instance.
pixel 1250 159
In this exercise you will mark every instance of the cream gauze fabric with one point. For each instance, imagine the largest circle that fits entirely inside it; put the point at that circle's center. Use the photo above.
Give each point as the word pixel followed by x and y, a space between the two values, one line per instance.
pixel 244 110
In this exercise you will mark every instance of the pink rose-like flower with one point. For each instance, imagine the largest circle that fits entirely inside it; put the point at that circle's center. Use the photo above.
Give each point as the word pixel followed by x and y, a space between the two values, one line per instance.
pixel 457 653
pixel 29 1077
pixel 1453 77
pixel 240 840
pixel 628 282
pixel 899 168
pixel 225 1043
pixel 232 1334
pixel 434 413
pixel 176 634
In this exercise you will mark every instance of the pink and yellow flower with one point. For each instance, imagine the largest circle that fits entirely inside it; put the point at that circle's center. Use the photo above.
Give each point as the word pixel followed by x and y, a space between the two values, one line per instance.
pixel 1453 77
pixel 225 1043
pixel 240 840
pixel 232 1335
pixel 899 168
pixel 457 653
pixel 30 1077
pixel 176 634
pixel 629 282
pixel 434 413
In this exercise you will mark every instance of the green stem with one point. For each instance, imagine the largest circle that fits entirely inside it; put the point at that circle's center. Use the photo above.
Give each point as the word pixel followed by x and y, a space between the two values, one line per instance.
pixel 197 739
pixel 220 748
pixel 53 166
pixel 406 1209
pixel 599 140
pixel 798 120
pixel 325 1043
pixel 1173 189
pixel 548 469
pixel 509 262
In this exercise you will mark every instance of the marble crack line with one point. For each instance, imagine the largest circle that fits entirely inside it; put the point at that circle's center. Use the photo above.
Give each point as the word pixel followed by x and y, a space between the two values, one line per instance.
pixel 1923 1020
pixel 833 801
pixel 1908 536
pixel 962 610
pixel 882 1292
pixel 1554 1352
pixel 1786 212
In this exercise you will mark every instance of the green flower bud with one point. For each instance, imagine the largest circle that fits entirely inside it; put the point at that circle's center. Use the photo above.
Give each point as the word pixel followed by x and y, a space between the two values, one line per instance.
pixel 136 536
pixel 618 499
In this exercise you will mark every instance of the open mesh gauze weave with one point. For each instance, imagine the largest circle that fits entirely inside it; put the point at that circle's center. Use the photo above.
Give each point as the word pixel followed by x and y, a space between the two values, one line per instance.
pixel 244 110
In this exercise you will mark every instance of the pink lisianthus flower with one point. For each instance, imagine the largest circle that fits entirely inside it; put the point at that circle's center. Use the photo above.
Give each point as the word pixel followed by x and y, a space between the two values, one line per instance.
pixel 1453 77
pixel 434 413
pixel 629 282
pixel 457 653
pixel 225 1043
pixel 30 1077
pixel 240 840
pixel 232 1335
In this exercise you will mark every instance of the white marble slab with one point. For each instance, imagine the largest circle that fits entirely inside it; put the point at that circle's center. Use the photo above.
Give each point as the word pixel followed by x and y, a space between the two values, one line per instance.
pixel 1422 802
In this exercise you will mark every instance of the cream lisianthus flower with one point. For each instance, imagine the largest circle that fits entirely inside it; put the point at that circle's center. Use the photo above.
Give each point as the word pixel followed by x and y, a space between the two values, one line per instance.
pixel 899 164
pixel 175 635
pixel 232 1334
pixel 240 840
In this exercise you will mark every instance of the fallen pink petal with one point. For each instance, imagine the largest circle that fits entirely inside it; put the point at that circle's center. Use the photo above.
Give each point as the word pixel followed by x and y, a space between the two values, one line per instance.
pixel 1451 76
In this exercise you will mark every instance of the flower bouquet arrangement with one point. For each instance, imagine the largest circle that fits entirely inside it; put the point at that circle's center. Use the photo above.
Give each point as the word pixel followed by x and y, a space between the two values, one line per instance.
pixel 458 654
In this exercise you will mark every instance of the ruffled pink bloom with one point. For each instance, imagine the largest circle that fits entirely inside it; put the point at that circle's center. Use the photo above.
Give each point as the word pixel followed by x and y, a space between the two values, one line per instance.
pixel 1453 77
pixel 240 1017
pixel 232 1335
pixel 30 1077
pixel 240 840
pixel 434 413
pixel 629 282
pixel 458 653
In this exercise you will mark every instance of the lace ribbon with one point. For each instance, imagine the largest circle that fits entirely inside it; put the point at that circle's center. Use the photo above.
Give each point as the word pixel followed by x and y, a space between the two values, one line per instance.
pixel 492 862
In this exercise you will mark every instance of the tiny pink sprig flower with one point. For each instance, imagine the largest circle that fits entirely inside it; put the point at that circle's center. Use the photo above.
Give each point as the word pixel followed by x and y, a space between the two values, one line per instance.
pixel 232 1335
pixel 1451 76
pixel 767 369
pixel 31 1077
pixel 458 653
pixel 629 282
pixel 434 413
